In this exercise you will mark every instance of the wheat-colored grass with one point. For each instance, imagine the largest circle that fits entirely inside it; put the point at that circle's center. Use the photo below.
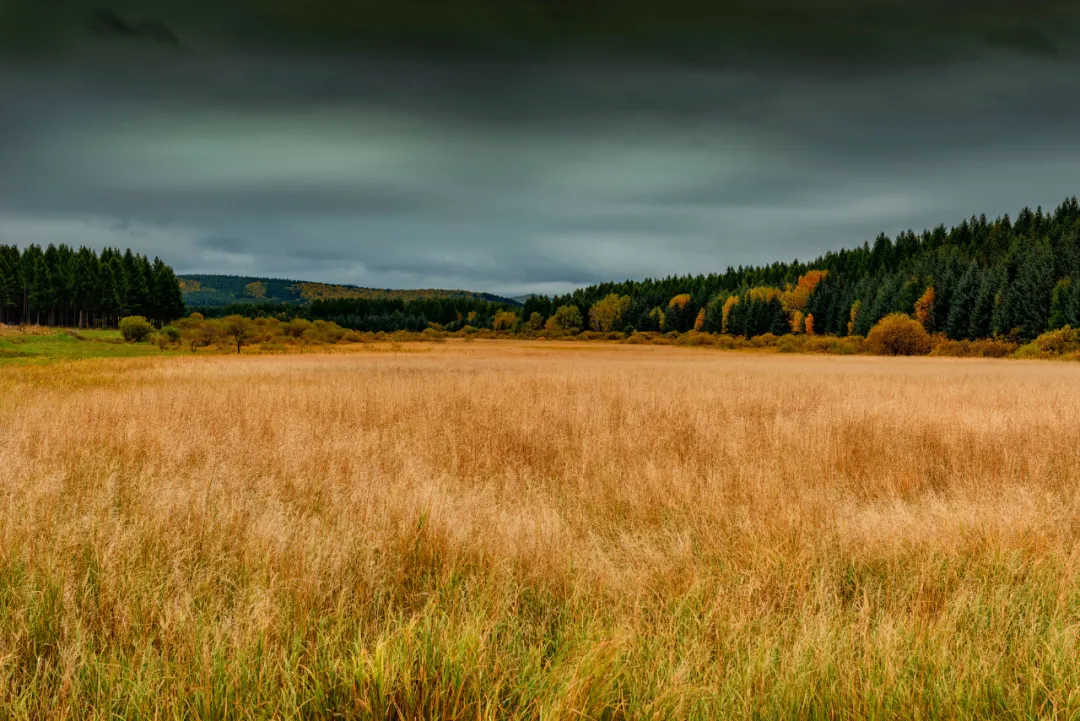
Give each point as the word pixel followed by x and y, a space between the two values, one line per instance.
pixel 510 530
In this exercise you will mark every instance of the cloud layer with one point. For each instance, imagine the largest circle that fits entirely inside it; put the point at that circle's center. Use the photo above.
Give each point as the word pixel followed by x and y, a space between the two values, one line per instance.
pixel 515 175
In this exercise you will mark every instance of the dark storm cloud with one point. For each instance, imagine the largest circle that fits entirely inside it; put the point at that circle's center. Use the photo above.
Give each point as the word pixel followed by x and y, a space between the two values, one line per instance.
pixel 530 172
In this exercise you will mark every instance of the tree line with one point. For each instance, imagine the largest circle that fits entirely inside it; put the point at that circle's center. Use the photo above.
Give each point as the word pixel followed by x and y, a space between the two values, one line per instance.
pixel 980 279
pixel 1005 278
pixel 61 286
pixel 451 313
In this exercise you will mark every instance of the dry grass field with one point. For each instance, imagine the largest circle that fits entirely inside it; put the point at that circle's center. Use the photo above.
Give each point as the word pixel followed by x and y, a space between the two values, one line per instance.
pixel 512 530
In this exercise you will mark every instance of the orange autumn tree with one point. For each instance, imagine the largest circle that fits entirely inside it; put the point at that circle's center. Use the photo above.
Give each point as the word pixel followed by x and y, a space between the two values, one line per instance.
pixel 924 309
pixel 809 324
pixel 699 322
pixel 795 297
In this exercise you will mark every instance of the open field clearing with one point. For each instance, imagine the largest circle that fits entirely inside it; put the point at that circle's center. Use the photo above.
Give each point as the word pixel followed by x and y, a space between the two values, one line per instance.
pixel 539 530
pixel 47 345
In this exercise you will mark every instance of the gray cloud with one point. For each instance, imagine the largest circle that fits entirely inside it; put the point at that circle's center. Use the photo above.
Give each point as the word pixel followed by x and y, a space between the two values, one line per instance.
pixel 519 176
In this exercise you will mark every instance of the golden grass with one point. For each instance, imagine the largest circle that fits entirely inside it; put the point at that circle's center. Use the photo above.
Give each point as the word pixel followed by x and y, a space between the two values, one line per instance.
pixel 544 530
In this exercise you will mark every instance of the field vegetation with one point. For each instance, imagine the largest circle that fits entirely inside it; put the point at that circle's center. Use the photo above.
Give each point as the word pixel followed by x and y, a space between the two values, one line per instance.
pixel 539 530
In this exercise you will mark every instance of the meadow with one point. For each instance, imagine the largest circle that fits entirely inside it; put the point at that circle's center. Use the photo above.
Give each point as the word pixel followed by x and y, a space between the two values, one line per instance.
pixel 36 345
pixel 505 529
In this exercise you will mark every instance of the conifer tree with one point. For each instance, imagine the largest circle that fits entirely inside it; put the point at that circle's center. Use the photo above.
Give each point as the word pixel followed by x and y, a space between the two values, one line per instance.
pixel 1060 305
pixel 1031 291
pixel 964 297
pixel 980 324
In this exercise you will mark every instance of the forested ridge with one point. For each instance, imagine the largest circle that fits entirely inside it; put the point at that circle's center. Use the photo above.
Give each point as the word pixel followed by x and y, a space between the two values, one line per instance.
pixel 982 278
pixel 203 290
pixel 61 286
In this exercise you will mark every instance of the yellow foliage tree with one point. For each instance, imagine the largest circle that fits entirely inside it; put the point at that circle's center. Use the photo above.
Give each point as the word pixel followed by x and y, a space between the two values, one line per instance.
pixel 924 309
pixel 567 318
pixel 726 312
pixel 535 321
pixel 608 312
pixel 679 302
pixel 658 314
pixel 809 324
pixel 699 322
pixel 504 320
pixel 763 294
pixel 798 322
pixel 255 289
pixel 853 315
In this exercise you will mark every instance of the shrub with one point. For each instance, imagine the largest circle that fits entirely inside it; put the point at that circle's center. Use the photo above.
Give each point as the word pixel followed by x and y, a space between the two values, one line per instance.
pixel 898 334
pixel 694 338
pixel 790 343
pixel 849 345
pixel 992 348
pixel 819 344
pixel 1058 342
pixel 952 348
pixel 988 348
pixel 172 333
pixel 1030 352
pixel 765 340
pixel 135 328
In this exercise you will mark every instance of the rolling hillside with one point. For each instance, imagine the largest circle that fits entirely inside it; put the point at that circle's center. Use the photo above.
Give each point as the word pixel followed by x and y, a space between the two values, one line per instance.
pixel 204 290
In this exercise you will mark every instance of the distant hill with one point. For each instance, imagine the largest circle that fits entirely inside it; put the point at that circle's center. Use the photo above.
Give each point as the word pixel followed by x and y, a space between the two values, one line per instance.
pixel 209 290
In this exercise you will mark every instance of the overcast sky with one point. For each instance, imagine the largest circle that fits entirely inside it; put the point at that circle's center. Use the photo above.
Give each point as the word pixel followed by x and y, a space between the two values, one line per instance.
pixel 516 175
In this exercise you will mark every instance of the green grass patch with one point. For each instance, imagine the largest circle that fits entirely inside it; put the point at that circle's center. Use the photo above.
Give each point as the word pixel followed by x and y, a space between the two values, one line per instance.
pixel 70 345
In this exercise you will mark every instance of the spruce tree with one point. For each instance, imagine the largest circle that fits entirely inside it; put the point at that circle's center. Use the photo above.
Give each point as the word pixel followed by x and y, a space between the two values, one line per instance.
pixel 1072 315
pixel 958 324
pixel 1031 291
pixel 5 288
pixel 1060 305
pixel 778 324
pixel 980 324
